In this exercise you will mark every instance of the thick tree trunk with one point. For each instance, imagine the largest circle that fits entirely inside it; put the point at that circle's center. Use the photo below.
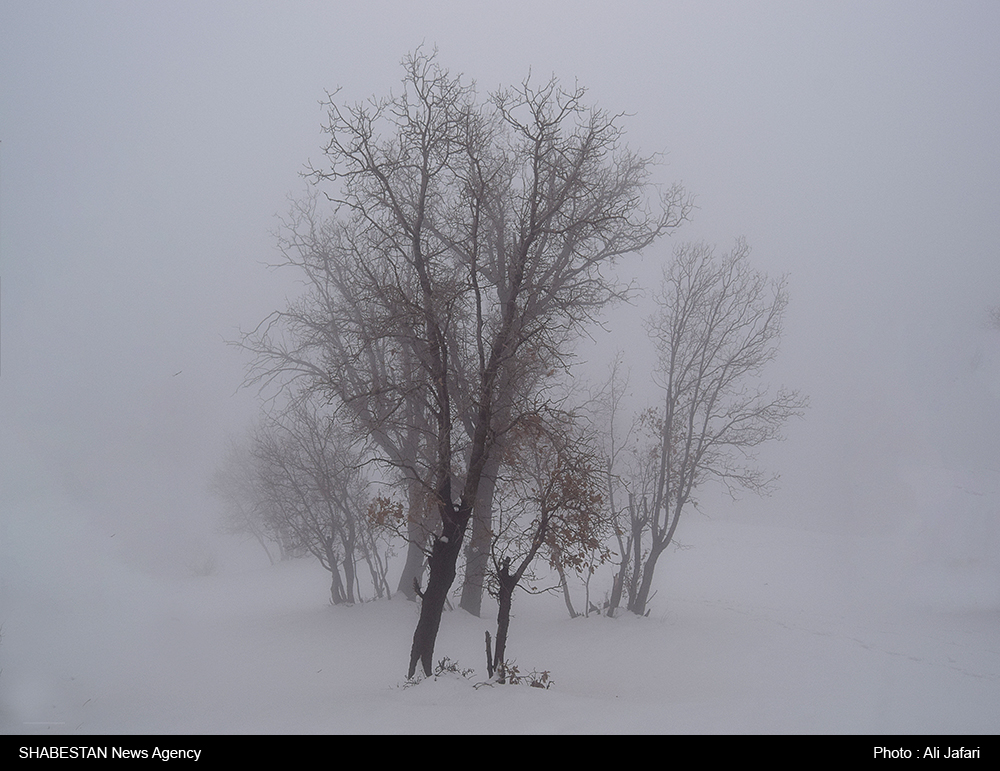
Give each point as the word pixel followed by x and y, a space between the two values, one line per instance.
pixel 350 577
pixel 416 537
pixel 478 551
pixel 413 568
pixel 505 597
pixel 444 558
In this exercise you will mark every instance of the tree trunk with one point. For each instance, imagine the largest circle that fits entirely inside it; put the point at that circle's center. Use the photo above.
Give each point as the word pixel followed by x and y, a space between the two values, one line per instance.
pixel 641 597
pixel 336 586
pixel 376 566
pixel 660 542
pixel 350 578
pixel 263 543
pixel 444 558
pixel 337 596
pixel 416 538
pixel 616 589
pixel 505 598
pixel 636 560
pixel 565 590
pixel 478 551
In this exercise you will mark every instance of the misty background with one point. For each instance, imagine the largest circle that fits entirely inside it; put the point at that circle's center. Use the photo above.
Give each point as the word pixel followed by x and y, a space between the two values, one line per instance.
pixel 146 151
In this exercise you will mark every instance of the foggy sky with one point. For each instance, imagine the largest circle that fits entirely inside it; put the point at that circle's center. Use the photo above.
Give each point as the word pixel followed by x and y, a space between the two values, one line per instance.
pixel 146 148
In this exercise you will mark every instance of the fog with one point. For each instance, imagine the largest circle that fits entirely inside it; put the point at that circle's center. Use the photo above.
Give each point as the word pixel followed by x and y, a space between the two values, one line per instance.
pixel 147 149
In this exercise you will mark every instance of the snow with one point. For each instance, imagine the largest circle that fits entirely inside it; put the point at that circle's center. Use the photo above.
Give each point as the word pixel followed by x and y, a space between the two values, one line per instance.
pixel 755 628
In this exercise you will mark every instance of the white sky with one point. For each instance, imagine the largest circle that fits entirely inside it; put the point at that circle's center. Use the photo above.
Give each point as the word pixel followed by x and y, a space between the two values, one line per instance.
pixel 145 149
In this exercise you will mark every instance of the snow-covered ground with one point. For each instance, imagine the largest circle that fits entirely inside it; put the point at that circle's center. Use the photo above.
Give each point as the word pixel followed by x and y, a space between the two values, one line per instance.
pixel 755 628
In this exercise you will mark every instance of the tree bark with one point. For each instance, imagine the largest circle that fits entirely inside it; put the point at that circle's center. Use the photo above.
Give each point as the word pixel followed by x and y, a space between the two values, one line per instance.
pixel 416 539
pixel 478 551
pixel 616 591
pixel 565 590
pixel 641 597
pixel 350 577
pixel 505 597
pixel 336 586
pixel 444 558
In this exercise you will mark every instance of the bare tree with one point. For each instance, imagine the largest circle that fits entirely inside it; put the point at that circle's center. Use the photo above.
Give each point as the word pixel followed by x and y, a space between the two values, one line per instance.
pixel 237 484
pixel 466 255
pixel 623 475
pixel 308 475
pixel 718 324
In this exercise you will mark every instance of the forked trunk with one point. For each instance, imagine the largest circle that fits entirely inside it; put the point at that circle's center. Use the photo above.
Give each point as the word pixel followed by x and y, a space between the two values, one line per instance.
pixel 337 595
pixel 641 597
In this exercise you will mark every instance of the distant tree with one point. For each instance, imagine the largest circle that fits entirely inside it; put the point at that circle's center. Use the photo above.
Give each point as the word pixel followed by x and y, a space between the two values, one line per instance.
pixel 718 324
pixel 626 479
pixel 308 476
pixel 235 483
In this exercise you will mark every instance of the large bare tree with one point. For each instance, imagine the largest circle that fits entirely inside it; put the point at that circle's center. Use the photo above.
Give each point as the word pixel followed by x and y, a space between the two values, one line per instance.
pixel 469 248
pixel 718 324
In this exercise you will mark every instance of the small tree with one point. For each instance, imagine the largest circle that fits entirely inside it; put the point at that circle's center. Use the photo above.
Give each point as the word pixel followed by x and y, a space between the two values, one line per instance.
pixel 553 507
pixel 626 477
pixel 718 324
